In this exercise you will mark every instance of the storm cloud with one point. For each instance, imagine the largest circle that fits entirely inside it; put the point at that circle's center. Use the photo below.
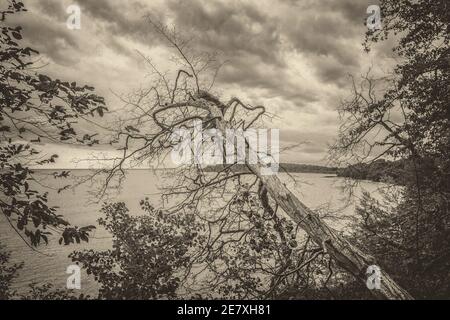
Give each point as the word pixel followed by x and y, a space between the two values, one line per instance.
pixel 292 56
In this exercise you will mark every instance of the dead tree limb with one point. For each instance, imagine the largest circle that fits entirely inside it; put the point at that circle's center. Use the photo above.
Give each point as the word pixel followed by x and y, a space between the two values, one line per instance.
pixel 163 113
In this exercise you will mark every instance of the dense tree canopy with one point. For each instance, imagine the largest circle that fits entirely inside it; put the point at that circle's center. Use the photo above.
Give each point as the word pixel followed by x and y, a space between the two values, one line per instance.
pixel 243 246
pixel 409 120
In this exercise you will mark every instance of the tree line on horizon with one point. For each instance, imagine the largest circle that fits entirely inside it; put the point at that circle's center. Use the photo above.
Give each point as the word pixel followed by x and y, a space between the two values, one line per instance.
pixel 250 249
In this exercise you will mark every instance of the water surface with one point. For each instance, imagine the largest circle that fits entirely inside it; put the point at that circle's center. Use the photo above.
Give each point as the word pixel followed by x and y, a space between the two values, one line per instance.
pixel 315 190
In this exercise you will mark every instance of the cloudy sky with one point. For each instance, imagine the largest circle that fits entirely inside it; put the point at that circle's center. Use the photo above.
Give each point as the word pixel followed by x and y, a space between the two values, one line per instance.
pixel 294 57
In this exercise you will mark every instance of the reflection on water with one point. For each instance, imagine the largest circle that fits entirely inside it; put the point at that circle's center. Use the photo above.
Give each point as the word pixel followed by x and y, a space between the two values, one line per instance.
pixel 315 190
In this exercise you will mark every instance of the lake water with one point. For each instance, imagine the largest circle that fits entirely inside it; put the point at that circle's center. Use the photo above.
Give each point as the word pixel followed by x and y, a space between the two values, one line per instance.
pixel 315 190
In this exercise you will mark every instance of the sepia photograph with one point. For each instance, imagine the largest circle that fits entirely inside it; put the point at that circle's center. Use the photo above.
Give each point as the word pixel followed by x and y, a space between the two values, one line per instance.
pixel 246 152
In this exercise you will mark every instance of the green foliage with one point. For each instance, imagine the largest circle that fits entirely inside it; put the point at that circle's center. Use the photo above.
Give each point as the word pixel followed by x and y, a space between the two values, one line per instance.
pixel 410 234
pixel 423 76
pixel 160 255
pixel 149 256
pixel 35 108
pixel 417 258
pixel 264 260
pixel 33 105
pixel 380 170
pixel 8 272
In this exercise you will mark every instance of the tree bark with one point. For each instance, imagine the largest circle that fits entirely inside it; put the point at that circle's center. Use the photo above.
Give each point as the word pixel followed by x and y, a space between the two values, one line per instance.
pixel 343 252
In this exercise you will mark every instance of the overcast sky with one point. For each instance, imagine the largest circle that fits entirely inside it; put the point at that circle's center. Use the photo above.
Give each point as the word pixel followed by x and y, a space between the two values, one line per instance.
pixel 294 57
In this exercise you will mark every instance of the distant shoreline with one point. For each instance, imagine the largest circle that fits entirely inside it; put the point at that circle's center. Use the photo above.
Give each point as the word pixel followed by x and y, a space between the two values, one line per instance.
pixel 377 171
pixel 284 167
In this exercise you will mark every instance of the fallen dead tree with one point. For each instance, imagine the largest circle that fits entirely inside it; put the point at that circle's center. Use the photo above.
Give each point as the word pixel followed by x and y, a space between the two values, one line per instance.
pixel 172 104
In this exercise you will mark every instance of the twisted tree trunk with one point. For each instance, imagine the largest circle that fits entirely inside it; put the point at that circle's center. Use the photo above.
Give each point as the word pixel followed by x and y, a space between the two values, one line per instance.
pixel 345 254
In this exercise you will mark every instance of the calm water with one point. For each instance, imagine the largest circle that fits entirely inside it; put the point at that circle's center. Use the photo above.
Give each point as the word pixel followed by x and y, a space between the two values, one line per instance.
pixel 315 190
